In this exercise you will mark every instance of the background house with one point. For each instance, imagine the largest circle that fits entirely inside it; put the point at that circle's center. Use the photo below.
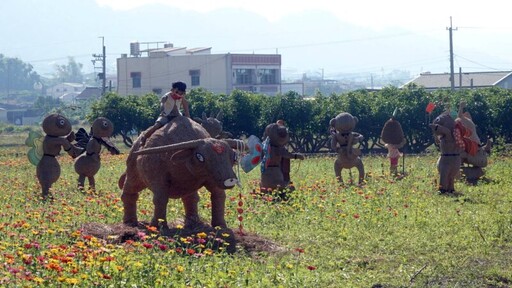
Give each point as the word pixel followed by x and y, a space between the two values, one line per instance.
pixel 467 80
pixel 89 93
pixel 218 73
pixel 61 89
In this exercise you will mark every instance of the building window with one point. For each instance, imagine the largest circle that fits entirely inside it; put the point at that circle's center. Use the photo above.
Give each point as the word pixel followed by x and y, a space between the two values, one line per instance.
pixel 243 76
pixel 195 78
pixel 268 76
pixel 136 79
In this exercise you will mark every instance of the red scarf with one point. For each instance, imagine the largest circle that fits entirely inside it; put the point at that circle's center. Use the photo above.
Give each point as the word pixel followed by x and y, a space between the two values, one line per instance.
pixel 176 96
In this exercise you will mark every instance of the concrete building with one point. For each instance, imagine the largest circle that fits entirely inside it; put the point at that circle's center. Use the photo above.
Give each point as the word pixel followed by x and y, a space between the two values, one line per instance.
pixel 61 89
pixel 466 80
pixel 140 74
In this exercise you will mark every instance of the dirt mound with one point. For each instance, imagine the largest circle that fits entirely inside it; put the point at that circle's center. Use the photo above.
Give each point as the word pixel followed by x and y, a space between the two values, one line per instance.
pixel 246 242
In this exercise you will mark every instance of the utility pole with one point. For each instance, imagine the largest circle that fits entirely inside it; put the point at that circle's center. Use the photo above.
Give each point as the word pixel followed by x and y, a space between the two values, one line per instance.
pixel 102 57
pixel 452 73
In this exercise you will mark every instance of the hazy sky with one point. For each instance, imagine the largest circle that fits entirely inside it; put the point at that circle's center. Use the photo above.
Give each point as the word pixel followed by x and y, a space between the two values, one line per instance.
pixel 332 37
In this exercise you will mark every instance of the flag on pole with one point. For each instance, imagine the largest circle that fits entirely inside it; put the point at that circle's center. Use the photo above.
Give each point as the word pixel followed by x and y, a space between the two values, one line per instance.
pixel 430 107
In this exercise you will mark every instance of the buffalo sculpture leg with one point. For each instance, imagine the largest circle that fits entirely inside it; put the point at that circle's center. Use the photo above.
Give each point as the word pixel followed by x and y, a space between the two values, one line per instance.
pixel 218 198
pixel 160 200
pixel 129 197
pixel 190 202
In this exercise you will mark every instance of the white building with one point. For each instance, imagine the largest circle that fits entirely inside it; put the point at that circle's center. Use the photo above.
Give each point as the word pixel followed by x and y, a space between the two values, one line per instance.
pixel 64 88
pixel 198 68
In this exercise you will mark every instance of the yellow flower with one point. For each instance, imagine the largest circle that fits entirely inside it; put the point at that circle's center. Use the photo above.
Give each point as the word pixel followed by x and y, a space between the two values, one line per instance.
pixel 180 268
pixel 38 280
pixel 201 235
pixel 179 226
pixel 72 281
pixel 225 235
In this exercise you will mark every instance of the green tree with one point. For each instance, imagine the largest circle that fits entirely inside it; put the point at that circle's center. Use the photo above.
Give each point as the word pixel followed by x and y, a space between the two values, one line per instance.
pixel 72 72
pixel 242 113
pixel 15 75
pixel 128 114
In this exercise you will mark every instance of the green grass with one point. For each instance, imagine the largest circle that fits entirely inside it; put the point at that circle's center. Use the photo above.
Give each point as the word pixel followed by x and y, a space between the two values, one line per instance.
pixel 387 233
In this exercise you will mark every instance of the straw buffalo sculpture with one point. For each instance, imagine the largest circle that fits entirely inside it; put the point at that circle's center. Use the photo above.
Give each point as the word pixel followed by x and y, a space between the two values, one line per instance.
pixel 179 159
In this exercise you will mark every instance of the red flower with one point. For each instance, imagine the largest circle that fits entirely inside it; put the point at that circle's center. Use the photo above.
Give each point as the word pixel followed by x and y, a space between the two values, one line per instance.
pixel 311 268
pixel 356 216
pixel 147 245
pixel 300 250
pixel 191 251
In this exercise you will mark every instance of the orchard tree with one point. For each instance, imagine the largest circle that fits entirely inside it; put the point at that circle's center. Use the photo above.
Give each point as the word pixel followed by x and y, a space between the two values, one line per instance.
pixel 128 114
pixel 72 72
pixel 241 113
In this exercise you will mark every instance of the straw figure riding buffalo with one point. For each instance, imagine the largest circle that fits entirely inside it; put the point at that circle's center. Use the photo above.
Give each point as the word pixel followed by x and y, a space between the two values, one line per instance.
pixel 176 161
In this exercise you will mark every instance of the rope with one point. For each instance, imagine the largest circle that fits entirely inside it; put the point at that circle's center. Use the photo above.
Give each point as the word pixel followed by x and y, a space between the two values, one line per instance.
pixel 239 151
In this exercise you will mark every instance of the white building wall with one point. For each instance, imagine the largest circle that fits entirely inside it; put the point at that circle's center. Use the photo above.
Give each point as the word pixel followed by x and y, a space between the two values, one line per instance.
pixel 216 73
pixel 63 88
pixel 160 72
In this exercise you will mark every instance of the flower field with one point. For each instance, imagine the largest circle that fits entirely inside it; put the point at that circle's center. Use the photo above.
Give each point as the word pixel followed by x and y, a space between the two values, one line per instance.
pixel 386 233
